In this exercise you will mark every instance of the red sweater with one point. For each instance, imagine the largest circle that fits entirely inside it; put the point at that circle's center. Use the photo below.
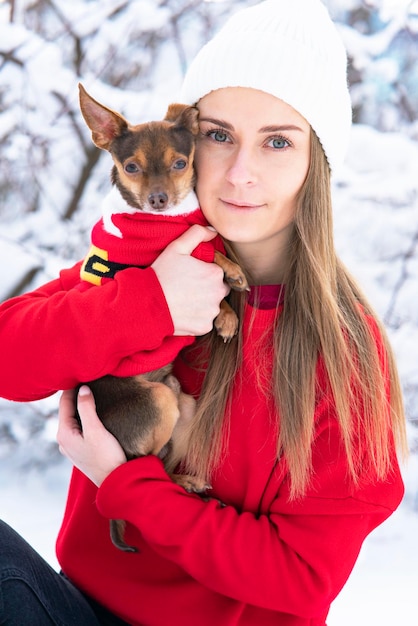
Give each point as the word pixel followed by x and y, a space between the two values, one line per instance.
pixel 258 561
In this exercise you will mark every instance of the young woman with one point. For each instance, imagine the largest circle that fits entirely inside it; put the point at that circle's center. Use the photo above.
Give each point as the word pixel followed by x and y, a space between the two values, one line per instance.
pixel 298 418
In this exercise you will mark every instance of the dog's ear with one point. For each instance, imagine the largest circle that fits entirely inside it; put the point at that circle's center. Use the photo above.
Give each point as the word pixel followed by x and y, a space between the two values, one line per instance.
pixel 105 124
pixel 183 115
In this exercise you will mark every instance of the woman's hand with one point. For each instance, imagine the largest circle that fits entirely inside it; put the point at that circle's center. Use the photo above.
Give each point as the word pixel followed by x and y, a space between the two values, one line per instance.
pixel 193 289
pixel 93 450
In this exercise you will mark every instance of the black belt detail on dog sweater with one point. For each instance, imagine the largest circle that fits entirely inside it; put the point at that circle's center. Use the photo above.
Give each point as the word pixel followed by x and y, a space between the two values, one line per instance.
pixel 103 268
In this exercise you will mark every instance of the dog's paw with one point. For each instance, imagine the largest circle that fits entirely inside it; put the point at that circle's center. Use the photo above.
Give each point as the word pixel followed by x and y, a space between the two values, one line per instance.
pixel 191 484
pixel 236 280
pixel 226 324
pixel 233 274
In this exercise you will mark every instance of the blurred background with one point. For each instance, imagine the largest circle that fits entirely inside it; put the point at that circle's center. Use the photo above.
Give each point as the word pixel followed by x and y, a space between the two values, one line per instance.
pixel 131 55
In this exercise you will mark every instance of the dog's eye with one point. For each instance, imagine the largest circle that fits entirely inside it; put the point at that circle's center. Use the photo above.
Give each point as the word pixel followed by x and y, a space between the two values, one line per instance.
pixel 180 164
pixel 131 168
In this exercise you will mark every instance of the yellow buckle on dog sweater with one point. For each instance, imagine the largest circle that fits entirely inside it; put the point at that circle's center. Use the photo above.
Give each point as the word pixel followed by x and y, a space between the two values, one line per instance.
pixel 96 266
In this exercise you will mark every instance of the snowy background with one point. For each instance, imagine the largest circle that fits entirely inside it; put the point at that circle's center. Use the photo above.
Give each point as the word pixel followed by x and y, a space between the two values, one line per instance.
pixel 131 55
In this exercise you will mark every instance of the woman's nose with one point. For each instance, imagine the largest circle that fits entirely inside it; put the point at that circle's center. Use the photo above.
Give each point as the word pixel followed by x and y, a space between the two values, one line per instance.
pixel 241 170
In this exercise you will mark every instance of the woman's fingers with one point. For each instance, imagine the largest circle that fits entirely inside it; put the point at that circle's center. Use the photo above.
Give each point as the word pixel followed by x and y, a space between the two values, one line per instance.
pixel 193 288
pixel 91 448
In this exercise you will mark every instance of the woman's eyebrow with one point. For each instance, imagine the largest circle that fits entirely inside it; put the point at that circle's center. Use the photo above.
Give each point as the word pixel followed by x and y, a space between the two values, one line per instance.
pixel 265 129
pixel 221 123
pixel 279 129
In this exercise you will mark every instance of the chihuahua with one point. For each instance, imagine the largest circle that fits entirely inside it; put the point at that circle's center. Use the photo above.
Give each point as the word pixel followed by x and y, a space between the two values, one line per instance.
pixel 151 203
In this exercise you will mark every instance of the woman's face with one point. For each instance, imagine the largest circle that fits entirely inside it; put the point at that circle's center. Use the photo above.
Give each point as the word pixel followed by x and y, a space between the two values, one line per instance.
pixel 252 158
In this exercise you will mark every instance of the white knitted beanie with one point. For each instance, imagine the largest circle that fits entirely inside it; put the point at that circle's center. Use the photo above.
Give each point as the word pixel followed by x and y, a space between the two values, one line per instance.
pixel 290 49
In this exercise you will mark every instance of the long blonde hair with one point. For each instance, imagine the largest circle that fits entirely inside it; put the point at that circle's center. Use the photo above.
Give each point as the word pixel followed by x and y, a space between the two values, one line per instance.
pixel 323 316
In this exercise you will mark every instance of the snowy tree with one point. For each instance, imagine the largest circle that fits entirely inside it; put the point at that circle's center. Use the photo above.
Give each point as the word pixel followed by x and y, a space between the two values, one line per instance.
pixel 382 43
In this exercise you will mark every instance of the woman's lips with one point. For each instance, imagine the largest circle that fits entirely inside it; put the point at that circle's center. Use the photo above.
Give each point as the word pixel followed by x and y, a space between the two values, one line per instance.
pixel 240 206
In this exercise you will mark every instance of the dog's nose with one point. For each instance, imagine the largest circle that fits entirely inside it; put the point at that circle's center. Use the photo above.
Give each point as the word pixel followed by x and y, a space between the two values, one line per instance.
pixel 158 200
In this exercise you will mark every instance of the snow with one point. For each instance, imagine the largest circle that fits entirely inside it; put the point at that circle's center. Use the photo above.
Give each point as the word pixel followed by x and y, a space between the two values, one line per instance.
pixel 33 504
pixel 382 587
pixel 22 264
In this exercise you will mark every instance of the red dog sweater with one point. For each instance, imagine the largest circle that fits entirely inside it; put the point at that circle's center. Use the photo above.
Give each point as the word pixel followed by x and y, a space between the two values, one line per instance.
pixel 126 237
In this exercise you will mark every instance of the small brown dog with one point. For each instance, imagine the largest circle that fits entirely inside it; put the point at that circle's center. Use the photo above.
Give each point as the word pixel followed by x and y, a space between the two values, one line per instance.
pixel 153 179
pixel 148 414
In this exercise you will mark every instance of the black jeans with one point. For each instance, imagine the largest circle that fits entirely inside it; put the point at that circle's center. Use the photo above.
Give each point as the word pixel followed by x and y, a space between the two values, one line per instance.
pixel 32 593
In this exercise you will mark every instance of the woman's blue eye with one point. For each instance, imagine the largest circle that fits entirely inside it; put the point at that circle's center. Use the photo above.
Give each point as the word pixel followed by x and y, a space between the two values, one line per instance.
pixel 279 143
pixel 218 135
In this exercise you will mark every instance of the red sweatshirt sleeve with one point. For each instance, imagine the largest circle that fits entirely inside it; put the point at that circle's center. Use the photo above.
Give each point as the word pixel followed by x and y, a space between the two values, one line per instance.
pixel 57 336
pixel 294 559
